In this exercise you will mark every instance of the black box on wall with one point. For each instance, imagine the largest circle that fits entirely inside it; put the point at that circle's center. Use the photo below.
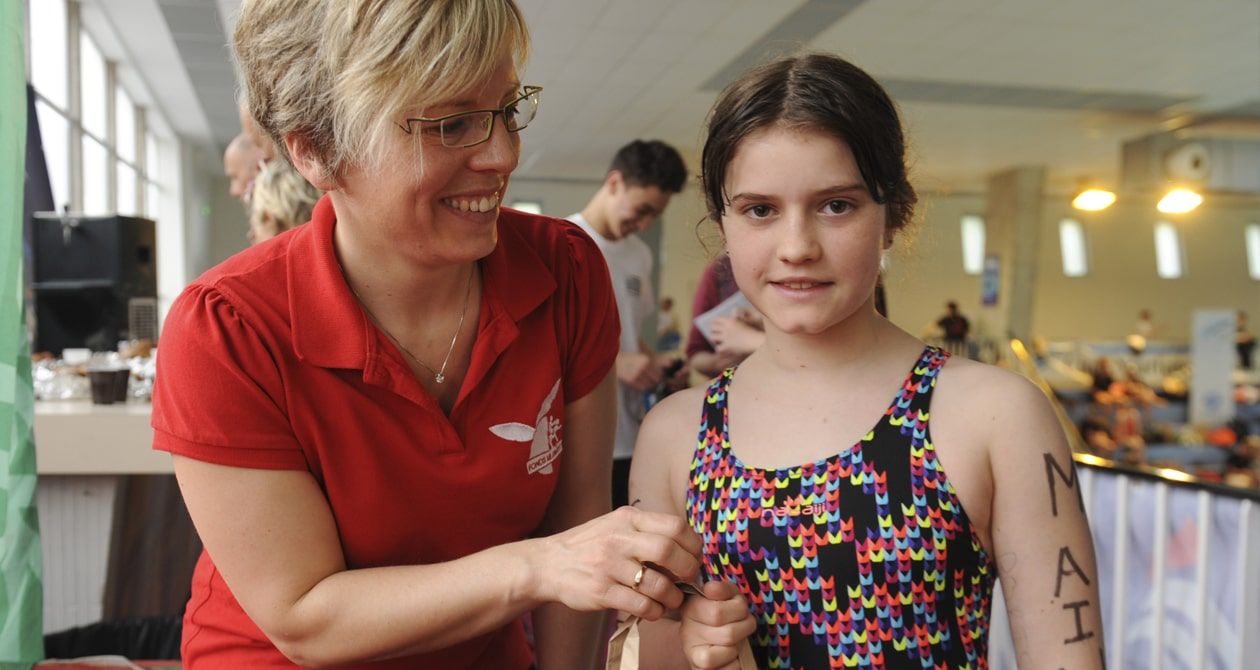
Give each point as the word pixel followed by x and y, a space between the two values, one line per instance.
pixel 87 271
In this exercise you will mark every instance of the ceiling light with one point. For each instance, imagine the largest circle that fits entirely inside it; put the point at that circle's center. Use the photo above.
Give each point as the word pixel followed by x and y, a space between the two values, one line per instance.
pixel 1093 200
pixel 1179 201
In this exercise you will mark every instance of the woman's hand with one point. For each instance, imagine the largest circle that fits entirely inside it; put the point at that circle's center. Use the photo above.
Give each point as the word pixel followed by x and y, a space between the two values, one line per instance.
pixel 713 626
pixel 595 566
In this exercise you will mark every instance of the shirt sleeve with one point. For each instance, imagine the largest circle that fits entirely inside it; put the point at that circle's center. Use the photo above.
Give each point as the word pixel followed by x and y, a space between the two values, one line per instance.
pixel 219 395
pixel 591 324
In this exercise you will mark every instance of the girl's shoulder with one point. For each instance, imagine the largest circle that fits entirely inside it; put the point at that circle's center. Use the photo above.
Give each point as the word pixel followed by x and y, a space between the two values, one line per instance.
pixel 668 433
pixel 679 412
pixel 983 383
pixel 664 450
pixel 988 403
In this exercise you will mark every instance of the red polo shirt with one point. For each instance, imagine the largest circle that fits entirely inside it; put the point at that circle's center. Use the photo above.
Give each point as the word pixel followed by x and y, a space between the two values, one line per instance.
pixel 268 361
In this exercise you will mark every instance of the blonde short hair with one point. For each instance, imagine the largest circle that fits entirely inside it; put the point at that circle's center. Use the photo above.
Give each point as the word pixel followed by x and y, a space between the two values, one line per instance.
pixel 341 74
pixel 281 199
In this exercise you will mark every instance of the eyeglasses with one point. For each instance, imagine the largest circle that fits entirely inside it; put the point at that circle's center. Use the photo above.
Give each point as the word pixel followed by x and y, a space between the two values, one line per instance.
pixel 468 129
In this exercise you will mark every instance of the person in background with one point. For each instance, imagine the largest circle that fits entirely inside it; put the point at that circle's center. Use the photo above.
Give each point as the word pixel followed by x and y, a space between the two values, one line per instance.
pixel 282 199
pixel 241 162
pixel 833 516
pixel 1144 326
pixel 667 336
pixel 1244 341
pixel 644 175
pixel 392 427
pixel 737 335
pixel 954 329
pixel 1101 378
pixel 1143 330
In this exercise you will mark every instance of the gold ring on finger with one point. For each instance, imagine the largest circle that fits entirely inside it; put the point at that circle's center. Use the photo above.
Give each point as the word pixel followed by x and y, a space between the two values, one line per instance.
pixel 638 576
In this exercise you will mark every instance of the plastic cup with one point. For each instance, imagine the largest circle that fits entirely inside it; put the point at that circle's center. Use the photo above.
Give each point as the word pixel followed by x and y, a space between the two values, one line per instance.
pixel 122 378
pixel 103 383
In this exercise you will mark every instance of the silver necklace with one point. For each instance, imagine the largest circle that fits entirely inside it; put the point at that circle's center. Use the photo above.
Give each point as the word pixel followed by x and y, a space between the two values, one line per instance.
pixel 439 375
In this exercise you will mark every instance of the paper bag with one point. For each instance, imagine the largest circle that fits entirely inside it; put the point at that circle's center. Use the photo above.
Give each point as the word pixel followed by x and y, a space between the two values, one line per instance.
pixel 623 646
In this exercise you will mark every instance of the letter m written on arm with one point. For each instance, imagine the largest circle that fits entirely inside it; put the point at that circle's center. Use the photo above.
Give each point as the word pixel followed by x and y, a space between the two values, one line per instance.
pixel 1068 477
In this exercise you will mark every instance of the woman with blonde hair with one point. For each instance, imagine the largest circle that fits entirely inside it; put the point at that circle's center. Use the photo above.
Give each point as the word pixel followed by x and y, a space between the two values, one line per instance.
pixel 392 426
pixel 282 199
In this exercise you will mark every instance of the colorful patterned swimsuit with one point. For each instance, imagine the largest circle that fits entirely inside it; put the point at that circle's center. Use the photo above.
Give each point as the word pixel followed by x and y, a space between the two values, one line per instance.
pixel 865 559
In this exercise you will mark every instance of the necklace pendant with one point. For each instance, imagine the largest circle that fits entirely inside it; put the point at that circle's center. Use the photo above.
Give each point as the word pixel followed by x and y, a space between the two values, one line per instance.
pixel 439 378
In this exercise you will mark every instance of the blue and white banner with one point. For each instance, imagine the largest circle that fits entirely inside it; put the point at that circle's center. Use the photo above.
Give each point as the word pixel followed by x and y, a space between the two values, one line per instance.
pixel 1212 364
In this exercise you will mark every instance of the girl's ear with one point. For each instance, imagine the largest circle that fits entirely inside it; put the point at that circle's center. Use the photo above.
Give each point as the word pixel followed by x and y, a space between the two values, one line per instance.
pixel 307 163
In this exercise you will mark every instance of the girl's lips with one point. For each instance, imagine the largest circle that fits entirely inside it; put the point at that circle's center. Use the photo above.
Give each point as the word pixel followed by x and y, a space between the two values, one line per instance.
pixel 799 285
pixel 799 288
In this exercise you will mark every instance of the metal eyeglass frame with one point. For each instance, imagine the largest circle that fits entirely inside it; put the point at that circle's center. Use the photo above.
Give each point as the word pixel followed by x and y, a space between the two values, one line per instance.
pixel 527 92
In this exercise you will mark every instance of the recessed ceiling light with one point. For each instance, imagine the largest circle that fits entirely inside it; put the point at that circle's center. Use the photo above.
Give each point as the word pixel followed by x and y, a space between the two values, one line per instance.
pixel 1179 201
pixel 1093 200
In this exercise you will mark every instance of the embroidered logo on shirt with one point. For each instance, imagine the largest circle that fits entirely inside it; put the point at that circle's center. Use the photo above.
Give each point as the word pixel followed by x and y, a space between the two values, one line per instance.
pixel 546 442
pixel 796 506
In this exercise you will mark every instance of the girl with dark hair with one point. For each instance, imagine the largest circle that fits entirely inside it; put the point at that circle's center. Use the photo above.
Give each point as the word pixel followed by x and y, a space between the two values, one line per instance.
pixel 841 529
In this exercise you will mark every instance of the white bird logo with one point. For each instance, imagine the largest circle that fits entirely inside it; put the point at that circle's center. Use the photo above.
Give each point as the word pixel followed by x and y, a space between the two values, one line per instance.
pixel 545 435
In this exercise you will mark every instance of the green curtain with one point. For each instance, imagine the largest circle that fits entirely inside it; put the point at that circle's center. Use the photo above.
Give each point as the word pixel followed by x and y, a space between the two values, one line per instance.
pixel 21 567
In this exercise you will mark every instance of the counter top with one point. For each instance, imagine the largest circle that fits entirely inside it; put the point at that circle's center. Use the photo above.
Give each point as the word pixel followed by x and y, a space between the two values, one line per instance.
pixel 75 437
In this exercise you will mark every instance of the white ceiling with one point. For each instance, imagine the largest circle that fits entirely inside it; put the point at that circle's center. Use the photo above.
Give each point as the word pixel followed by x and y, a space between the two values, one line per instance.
pixel 983 84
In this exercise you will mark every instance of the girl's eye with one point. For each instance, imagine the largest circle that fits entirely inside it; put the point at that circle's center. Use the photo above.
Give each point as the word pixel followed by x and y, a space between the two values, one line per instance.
pixel 758 211
pixel 839 206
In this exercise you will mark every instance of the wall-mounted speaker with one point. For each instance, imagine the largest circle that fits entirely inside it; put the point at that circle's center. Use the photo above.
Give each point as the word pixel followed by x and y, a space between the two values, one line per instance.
pixel 87 271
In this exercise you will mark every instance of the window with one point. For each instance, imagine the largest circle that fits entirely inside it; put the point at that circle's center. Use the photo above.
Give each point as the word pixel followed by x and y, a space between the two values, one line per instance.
pixel 973 244
pixel 151 194
pixel 101 153
pixel 1072 248
pixel 127 190
pixel 124 125
pixel 1169 259
pixel 152 201
pixel 54 132
pixel 1253 250
pixel 101 147
pixel 95 178
pixel 49 49
pixel 150 155
pixel 93 82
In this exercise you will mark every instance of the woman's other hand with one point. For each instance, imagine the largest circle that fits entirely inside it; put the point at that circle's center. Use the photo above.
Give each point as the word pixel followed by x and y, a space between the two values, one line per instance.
pixel 713 627
pixel 639 370
pixel 595 566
